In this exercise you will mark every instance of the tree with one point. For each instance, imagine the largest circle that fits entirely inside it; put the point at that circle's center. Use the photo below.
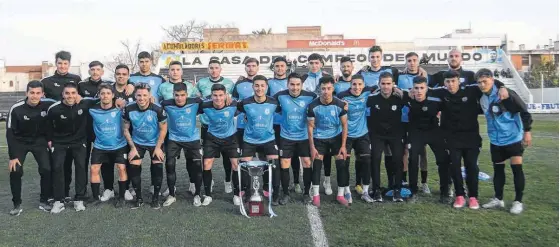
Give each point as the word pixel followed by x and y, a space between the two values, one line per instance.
pixel 549 72
pixel 262 32
pixel 129 57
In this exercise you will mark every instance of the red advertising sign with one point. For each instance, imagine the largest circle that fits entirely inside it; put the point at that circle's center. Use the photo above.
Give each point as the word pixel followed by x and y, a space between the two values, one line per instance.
pixel 330 43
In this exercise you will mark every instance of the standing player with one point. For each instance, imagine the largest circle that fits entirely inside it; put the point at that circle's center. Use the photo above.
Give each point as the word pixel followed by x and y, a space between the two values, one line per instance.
pixel 149 127
pixel 204 86
pixel 25 133
pixel 424 130
pixel 67 122
pixel 109 147
pixel 293 137
pixel 259 133
pixel 53 86
pixel 345 81
pixel 386 128
pixel 183 134
pixel 311 82
pixel 146 76
pixel 405 82
pixel 358 138
pixel 327 130
pixel 219 139
pixel 459 122
pixel 165 91
pixel 509 130
pixel 277 84
pixel 454 59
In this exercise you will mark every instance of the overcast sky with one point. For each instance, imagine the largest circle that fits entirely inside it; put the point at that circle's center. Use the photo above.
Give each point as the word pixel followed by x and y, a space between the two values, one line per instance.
pixel 32 31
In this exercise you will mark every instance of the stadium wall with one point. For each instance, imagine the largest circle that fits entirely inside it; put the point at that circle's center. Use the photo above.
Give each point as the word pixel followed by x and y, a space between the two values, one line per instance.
pixel 547 95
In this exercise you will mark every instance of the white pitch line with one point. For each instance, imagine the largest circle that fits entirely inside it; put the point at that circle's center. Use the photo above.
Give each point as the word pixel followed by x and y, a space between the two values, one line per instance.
pixel 317 231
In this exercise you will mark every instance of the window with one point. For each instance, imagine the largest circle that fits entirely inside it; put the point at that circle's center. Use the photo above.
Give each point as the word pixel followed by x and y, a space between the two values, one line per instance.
pixel 525 60
pixel 11 83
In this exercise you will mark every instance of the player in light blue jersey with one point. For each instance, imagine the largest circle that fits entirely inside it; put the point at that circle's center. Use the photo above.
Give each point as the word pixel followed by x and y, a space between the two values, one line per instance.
pixel 219 139
pixel 244 89
pixel 146 76
pixel 259 134
pixel 293 138
pixel 327 131
pixel 275 85
pixel 345 80
pixel 165 90
pixel 110 145
pixel 183 135
pixel 149 128
pixel 358 138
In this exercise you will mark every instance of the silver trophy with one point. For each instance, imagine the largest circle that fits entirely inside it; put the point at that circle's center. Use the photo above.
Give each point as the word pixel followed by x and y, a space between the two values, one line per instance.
pixel 256 169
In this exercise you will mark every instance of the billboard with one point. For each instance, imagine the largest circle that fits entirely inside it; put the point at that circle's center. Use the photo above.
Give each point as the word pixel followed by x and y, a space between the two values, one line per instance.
pixel 543 108
pixel 358 55
pixel 330 43
pixel 201 46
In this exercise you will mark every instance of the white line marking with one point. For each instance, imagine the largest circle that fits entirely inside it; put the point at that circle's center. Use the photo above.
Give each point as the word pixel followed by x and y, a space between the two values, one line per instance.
pixel 317 231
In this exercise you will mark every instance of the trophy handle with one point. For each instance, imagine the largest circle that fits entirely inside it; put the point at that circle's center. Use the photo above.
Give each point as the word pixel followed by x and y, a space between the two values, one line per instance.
pixel 272 214
pixel 242 204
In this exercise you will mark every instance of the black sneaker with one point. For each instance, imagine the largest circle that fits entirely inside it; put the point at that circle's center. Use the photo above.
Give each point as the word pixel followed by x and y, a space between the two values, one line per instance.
pixel 307 200
pixel 45 206
pixel 413 198
pixel 445 199
pixel 397 196
pixel 155 204
pixel 285 200
pixel 67 200
pixel 16 210
pixel 275 200
pixel 378 197
pixel 119 203
pixel 137 204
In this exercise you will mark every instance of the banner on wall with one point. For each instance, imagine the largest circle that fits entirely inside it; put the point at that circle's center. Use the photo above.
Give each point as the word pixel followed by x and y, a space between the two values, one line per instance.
pixel 543 108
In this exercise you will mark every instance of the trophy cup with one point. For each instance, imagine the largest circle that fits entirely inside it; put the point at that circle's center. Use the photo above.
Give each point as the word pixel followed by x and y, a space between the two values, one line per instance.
pixel 255 170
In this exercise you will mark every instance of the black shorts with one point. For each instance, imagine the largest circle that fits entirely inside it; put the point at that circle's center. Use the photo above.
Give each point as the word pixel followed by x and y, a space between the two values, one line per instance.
pixel 277 130
pixel 239 135
pixel 328 146
pixel 191 150
pixel 213 146
pixel 289 148
pixel 503 153
pixel 267 148
pixel 361 145
pixel 142 151
pixel 117 156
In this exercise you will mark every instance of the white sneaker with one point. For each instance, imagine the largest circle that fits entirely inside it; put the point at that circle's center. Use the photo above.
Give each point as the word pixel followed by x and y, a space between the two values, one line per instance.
pixel 107 195
pixel 166 192
pixel 207 201
pixel 327 186
pixel 196 201
pixel 516 207
pixel 128 196
pixel 192 188
pixel 236 200
pixel 494 203
pixel 132 192
pixel 297 188
pixel 57 207
pixel 426 189
pixel 170 200
pixel 79 206
pixel 227 186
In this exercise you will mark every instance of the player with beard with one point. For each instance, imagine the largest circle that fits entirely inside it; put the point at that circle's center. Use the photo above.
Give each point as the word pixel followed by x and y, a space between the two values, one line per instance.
pixel 293 138
pixel 277 84
pixel 345 81
pixel 165 91
pixel 454 59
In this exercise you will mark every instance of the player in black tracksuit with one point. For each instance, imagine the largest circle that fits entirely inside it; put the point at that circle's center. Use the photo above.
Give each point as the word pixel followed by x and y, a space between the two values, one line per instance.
pixel 53 90
pixel 25 133
pixel 423 129
pixel 454 59
pixel 67 124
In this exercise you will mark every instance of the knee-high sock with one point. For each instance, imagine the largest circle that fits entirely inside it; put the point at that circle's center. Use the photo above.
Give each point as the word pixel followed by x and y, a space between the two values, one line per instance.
pixel 519 181
pixel 307 174
pixel 285 175
pixel 341 173
pixel 207 178
pixel 295 169
pixel 316 177
pixel 156 171
pixel 499 180
pixel 135 174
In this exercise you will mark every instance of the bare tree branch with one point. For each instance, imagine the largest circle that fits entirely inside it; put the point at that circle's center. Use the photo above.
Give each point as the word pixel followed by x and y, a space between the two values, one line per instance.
pixel 127 56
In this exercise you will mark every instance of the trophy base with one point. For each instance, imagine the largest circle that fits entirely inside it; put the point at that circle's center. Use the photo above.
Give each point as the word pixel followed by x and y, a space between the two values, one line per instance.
pixel 256 208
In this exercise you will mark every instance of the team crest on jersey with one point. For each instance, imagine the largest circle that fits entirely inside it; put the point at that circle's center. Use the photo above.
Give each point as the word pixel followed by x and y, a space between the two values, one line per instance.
pixel 394 107
pixel 462 79
pixel 56 84
pixel 86 92
pixel 25 117
pixel 62 117
pixel 377 107
pixel 113 114
pixel 266 111
pixel 80 112
pixel 333 113
pixel 226 114
pixel 425 108
pixel 301 103
pixel 43 113
pixel 151 82
pixel 188 110
pixel 495 109
pixel 149 118
pixel 465 99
